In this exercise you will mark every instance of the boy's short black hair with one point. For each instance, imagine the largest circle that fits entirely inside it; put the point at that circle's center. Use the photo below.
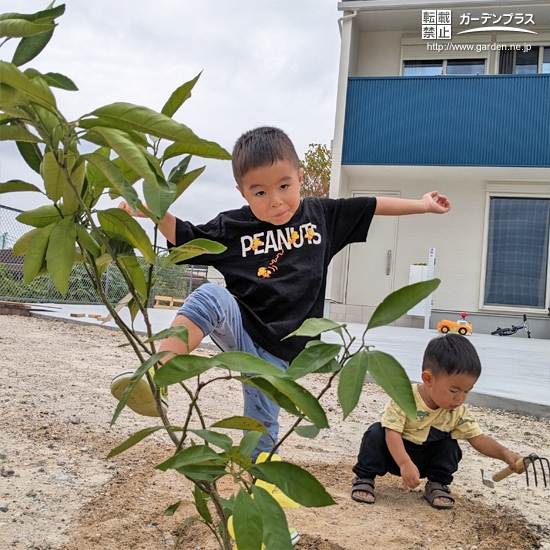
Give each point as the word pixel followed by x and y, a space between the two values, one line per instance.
pixel 451 354
pixel 262 147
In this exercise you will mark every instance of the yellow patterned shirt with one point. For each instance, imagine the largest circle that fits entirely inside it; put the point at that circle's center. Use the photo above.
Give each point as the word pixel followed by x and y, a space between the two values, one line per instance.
pixel 429 424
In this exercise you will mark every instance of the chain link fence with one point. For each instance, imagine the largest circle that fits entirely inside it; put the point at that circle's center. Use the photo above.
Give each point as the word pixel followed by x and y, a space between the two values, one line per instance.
pixel 175 280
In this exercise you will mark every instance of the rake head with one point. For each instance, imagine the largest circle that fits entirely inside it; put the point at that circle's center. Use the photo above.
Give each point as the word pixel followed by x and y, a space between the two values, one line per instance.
pixel 543 465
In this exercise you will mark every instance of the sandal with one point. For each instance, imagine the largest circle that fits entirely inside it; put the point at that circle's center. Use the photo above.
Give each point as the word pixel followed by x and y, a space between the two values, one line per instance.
pixel 363 484
pixel 435 490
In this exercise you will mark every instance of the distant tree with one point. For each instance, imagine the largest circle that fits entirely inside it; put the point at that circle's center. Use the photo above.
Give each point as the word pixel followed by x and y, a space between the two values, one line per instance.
pixel 317 164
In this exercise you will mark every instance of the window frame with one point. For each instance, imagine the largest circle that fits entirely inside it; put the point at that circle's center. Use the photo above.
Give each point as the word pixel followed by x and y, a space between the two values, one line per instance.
pixel 444 65
pixel 505 190
pixel 540 60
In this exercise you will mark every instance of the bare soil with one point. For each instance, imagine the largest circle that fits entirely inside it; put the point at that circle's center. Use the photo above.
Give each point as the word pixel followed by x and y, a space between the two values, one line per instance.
pixel 58 491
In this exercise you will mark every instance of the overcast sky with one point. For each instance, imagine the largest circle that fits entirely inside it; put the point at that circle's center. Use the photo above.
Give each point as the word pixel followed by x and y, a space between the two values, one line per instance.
pixel 264 62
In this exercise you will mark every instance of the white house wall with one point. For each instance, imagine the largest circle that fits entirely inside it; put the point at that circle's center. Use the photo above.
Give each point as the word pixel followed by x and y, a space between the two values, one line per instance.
pixel 379 54
pixel 458 237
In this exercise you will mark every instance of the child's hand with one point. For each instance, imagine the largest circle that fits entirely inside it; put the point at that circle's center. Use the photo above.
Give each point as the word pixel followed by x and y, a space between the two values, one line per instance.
pixel 137 214
pixel 436 203
pixel 511 458
pixel 410 475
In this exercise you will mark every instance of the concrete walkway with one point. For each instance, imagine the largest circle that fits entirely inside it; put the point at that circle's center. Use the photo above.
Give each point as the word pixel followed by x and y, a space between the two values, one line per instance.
pixel 516 370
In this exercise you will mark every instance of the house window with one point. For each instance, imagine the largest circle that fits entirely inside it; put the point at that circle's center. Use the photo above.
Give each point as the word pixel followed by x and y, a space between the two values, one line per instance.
pixel 465 66
pixel 517 252
pixel 444 67
pixel 423 68
pixel 546 60
pixel 534 61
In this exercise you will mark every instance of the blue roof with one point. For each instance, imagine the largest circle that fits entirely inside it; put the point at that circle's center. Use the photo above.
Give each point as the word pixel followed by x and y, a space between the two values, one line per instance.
pixel 490 120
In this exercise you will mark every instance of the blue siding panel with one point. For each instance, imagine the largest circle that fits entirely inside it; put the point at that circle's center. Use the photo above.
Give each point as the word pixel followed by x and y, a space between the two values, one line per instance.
pixel 491 120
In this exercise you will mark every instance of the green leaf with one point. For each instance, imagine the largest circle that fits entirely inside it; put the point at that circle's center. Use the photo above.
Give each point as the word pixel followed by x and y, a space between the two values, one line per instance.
pixel 315 327
pixel 36 254
pixel 273 393
pixel 136 377
pixel 120 248
pixel 60 255
pixel 48 14
pixel 125 148
pixel 135 273
pixel 235 457
pixel 171 510
pixel 87 241
pixel 312 359
pixel 21 247
pixel 248 363
pixel 247 522
pixel 40 217
pixel 55 128
pixel 214 438
pixel 17 133
pixel 228 503
pixel 310 431
pixel 240 423
pixel 399 302
pixel 14 186
pixel 179 170
pixel 30 46
pixel 143 119
pixel 202 472
pixel 200 504
pixel 91 123
pixel 187 180
pixel 17 28
pixel 293 481
pixel 53 175
pixel 302 398
pixel 197 454
pixel 276 534
pixel 133 306
pixel 36 89
pixel 331 366
pixel 393 379
pixel 352 378
pixel 30 155
pixel 120 223
pixel 183 367
pixel 179 96
pixel 205 149
pixel 134 440
pixel 180 332
pixel 11 100
pixel 58 80
pixel 248 443
pixel 192 249
pixel 159 198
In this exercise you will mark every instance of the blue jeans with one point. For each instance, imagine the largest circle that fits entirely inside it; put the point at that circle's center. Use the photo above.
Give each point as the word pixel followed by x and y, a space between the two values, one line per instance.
pixel 214 310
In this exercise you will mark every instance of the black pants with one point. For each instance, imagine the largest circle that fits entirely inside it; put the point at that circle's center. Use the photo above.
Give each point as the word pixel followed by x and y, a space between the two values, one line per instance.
pixel 437 461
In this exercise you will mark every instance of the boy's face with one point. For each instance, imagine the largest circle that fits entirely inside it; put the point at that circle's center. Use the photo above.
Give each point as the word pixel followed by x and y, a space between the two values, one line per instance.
pixel 272 191
pixel 446 391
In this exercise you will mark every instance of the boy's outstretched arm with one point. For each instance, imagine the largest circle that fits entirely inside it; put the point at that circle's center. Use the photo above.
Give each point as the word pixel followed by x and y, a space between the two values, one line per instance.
pixel 167 225
pixel 487 446
pixel 430 202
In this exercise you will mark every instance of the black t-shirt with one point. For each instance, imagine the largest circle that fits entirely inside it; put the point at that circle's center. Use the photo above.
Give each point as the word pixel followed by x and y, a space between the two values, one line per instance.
pixel 278 273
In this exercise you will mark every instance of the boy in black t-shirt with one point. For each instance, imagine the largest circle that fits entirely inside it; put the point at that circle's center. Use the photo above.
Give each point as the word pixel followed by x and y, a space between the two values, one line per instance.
pixel 275 266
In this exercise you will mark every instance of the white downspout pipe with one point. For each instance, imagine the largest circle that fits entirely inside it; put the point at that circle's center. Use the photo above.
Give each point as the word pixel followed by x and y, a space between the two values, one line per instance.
pixel 346 18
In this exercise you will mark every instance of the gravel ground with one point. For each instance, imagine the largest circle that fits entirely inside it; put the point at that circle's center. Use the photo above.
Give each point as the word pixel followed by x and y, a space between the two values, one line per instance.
pixel 58 491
